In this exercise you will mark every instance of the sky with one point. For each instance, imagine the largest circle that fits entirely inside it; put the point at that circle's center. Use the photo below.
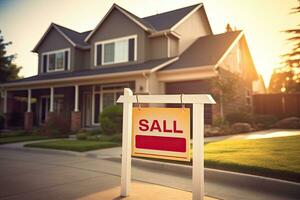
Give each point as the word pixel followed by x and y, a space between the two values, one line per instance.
pixel 24 22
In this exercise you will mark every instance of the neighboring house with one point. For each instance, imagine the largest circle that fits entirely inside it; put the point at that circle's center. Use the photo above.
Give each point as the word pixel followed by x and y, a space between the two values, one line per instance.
pixel 80 74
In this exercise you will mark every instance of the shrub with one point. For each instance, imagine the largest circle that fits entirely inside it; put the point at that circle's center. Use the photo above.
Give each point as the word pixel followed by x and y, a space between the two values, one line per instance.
pixel 56 125
pixel 82 136
pixel 111 120
pixel 111 138
pixel 14 133
pixel 1 121
pixel 264 121
pixel 235 117
pixel 241 128
pixel 289 123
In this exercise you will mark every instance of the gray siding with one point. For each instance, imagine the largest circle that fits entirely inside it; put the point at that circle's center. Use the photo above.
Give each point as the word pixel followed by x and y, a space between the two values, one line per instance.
pixel 158 47
pixel 118 25
pixel 54 41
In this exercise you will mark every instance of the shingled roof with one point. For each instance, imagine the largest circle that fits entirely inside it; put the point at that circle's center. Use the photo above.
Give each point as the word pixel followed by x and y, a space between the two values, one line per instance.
pixel 74 36
pixel 207 50
pixel 148 65
pixel 167 20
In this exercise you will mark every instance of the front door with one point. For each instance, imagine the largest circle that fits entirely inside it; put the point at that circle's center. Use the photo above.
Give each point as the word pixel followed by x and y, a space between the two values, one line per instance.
pixel 87 109
pixel 44 109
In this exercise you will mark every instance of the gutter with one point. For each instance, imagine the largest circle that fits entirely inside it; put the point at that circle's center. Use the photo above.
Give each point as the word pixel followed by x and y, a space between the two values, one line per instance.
pixel 88 77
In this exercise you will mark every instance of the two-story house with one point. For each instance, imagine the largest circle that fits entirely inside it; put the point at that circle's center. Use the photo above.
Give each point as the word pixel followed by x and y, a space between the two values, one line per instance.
pixel 80 74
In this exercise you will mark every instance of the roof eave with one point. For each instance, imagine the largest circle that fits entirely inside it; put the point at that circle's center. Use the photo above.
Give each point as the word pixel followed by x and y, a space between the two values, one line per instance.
pixel 45 34
pixel 107 14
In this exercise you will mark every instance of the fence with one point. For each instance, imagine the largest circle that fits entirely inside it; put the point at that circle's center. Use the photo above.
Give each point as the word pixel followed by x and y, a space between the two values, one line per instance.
pixel 280 105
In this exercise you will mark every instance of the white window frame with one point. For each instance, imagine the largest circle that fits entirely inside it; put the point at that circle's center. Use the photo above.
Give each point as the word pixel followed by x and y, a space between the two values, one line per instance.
pixel 135 37
pixel 47 97
pixel 101 92
pixel 64 60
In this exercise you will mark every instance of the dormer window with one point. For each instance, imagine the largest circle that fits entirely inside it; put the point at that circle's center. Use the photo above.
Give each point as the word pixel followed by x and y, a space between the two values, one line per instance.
pixel 116 51
pixel 56 60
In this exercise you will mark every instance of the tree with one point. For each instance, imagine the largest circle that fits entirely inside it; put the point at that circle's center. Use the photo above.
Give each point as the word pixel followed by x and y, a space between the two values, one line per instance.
pixel 8 70
pixel 287 77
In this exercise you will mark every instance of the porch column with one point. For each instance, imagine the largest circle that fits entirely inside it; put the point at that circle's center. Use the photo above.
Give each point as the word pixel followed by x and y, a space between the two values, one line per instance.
pixel 51 99
pixel 76 109
pixel 4 102
pixel 76 114
pixel 28 116
pixel 5 113
pixel 29 100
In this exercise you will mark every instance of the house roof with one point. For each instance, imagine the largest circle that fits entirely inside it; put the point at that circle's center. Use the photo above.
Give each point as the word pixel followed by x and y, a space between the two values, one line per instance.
pixel 73 37
pixel 207 50
pixel 149 65
pixel 163 21
pixel 167 20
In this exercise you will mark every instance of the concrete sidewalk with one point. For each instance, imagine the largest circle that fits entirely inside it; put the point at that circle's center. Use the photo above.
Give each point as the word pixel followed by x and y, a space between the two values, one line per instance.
pixel 143 191
pixel 272 133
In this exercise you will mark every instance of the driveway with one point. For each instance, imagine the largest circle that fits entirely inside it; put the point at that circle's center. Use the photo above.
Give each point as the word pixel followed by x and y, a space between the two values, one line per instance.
pixel 41 175
pixel 256 135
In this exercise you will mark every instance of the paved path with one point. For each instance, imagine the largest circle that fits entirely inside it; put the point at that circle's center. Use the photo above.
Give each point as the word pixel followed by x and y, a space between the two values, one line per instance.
pixel 272 133
pixel 43 175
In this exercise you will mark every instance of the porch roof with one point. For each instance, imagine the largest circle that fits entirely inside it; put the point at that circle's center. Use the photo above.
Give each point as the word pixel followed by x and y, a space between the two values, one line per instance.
pixel 107 70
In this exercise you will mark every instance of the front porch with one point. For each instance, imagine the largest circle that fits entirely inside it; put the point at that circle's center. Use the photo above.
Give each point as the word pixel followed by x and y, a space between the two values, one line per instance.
pixel 80 105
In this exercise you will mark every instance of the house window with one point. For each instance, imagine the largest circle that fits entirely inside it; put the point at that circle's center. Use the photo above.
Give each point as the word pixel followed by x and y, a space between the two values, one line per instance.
pixel 248 97
pixel 56 60
pixel 116 51
pixel 104 97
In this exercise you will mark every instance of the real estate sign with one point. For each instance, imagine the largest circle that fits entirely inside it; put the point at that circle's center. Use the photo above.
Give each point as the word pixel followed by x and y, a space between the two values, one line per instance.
pixel 162 133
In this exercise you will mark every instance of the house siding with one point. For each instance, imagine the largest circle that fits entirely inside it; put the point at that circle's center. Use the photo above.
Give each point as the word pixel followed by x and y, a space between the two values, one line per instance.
pixel 52 42
pixel 192 28
pixel 158 47
pixel 118 25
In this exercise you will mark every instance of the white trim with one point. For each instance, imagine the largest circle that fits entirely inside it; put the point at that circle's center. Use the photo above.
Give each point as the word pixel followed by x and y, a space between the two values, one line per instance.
pixel 51 99
pixel 103 42
pixel 4 101
pixel 29 100
pixel 185 17
pixel 55 52
pixel 163 65
pixel 163 32
pixel 101 92
pixel 168 46
pixel 93 106
pixel 237 39
pixel 106 15
pixel 174 99
pixel 83 78
pixel 76 96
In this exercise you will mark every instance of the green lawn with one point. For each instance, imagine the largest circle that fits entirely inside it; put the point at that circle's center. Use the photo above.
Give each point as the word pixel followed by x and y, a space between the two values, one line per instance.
pixel 74 145
pixel 22 138
pixel 273 157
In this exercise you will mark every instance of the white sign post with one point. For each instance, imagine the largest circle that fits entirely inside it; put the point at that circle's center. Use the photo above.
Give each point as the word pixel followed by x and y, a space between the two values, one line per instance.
pixel 198 102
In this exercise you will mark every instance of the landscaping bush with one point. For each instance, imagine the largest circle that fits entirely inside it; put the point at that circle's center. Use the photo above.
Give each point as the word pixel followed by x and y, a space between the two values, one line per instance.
pixel 112 138
pixel 289 123
pixel 264 121
pixel 56 125
pixel 1 121
pixel 241 127
pixel 82 136
pixel 14 133
pixel 235 117
pixel 111 120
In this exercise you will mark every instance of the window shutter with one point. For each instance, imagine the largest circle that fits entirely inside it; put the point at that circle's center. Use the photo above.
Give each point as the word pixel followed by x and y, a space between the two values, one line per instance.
pixel 99 54
pixel 44 65
pixel 131 49
pixel 66 60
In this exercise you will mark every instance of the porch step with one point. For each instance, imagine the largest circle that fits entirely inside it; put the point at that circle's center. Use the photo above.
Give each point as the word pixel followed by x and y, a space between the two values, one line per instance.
pixel 72 136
